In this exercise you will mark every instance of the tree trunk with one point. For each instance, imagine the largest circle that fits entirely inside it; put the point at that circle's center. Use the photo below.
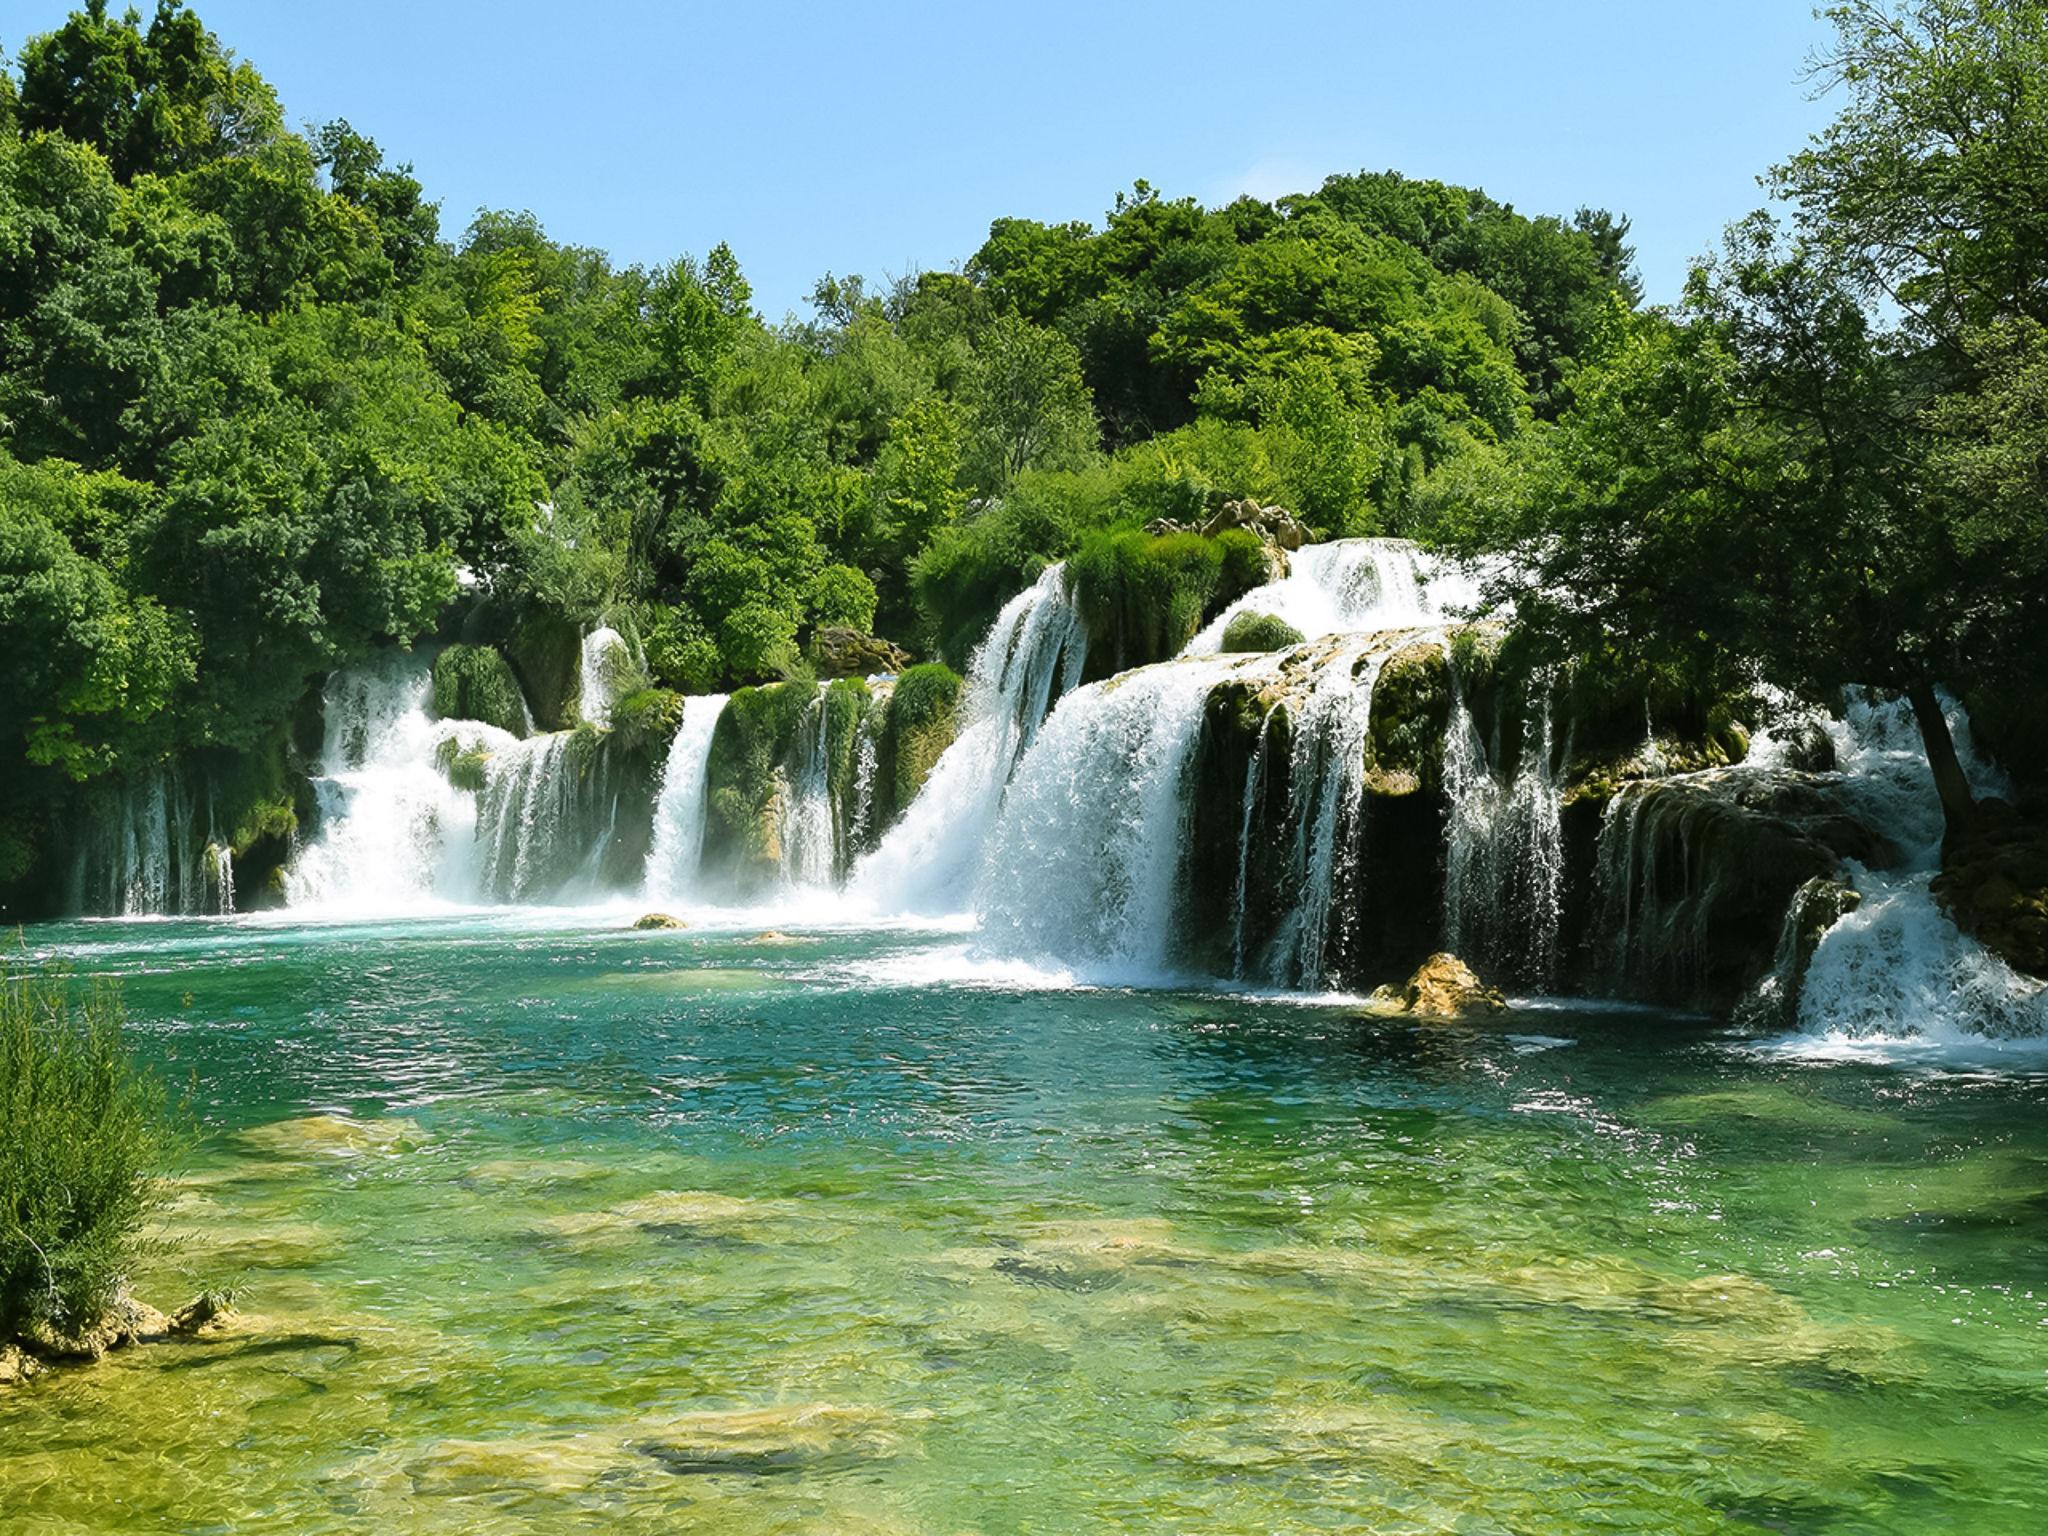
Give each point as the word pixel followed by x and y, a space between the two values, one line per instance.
pixel 1958 804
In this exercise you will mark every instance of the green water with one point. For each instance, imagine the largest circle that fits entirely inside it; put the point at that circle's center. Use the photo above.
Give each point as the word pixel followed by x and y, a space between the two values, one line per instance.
pixel 574 1229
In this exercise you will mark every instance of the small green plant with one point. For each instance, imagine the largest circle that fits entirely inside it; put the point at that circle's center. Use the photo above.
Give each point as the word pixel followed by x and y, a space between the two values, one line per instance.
pixel 1259 632
pixel 84 1135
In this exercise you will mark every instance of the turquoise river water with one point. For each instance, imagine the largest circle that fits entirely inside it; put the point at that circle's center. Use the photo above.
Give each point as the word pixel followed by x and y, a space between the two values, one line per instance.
pixel 542 1225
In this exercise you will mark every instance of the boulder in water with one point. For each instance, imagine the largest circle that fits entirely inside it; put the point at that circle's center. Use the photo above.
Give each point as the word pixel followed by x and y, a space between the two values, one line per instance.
pixel 658 920
pixel 837 651
pixel 1443 987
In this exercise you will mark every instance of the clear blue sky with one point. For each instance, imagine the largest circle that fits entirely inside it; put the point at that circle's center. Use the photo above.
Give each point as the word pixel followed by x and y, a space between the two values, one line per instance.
pixel 883 138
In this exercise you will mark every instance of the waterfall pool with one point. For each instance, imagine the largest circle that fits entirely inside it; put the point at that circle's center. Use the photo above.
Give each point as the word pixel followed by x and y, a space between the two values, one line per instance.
pixel 542 1225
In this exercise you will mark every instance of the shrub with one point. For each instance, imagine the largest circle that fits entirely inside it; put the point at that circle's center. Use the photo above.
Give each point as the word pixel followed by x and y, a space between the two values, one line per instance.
pixel 83 1136
pixel 1259 632
pixel 842 596
pixel 474 682
pixel 1143 597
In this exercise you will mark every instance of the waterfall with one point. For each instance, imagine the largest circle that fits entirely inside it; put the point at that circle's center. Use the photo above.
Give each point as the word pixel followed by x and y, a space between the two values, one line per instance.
pixel 672 862
pixel 392 831
pixel 1324 819
pixel 1897 966
pixel 1352 586
pixel 1504 845
pixel 223 859
pixel 1034 653
pixel 808 836
pixel 144 848
pixel 1083 866
pixel 1254 787
pixel 607 662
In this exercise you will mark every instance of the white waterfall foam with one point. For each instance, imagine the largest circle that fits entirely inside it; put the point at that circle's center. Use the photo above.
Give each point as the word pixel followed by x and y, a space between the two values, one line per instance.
pixel 672 861
pixel 607 662
pixel 1034 653
pixel 1897 968
pixel 1504 845
pixel 393 832
pixel 1353 586
pixel 808 837
pixel 1083 867
pixel 1325 806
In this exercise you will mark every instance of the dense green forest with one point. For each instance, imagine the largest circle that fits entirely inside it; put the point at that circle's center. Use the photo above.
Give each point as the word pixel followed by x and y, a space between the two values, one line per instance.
pixel 262 410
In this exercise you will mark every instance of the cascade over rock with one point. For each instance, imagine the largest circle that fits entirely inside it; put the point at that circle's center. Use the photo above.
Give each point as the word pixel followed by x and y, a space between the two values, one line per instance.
pixel 1696 873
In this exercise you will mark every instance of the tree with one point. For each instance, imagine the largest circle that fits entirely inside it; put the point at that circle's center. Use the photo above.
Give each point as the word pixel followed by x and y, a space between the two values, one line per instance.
pixel 1027 404
pixel 1828 474
pixel 159 101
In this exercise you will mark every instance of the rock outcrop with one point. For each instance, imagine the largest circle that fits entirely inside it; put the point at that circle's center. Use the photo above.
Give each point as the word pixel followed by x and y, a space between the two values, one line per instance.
pixel 840 652
pixel 655 920
pixel 1994 886
pixel 1259 632
pixel 1276 525
pixel 1443 987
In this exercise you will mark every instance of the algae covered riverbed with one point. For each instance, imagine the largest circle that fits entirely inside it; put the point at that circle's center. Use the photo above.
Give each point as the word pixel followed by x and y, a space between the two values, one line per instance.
pixel 544 1226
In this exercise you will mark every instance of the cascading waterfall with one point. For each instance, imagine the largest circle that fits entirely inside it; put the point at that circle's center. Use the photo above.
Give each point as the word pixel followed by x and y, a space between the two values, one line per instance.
pixel 392 833
pixel 673 860
pixel 1897 966
pixel 1352 586
pixel 1254 788
pixel 145 849
pixel 1083 867
pixel 808 835
pixel 1034 653
pixel 1504 845
pixel 607 660
pixel 1325 807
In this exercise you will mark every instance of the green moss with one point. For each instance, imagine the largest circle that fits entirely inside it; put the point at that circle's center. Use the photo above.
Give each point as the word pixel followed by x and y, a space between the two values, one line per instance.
pixel 1411 707
pixel 917 727
pixel 475 682
pixel 1260 632
pixel 463 768
pixel 755 735
pixel 1144 597
pixel 546 653
pixel 647 716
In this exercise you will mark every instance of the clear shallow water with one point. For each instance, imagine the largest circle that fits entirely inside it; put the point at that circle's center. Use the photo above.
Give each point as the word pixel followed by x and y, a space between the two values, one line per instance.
pixel 547 1227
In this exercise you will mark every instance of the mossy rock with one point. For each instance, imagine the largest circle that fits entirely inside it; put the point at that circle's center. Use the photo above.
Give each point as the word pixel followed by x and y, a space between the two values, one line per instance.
pixel 475 682
pixel 754 753
pixel 1144 596
pixel 462 767
pixel 1259 632
pixel 918 724
pixel 1411 711
pixel 546 652
pixel 1994 886
pixel 647 717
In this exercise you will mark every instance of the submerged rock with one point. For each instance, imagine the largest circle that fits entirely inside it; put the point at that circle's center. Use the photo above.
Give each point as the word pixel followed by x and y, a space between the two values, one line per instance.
pixel 1444 987
pixel 333 1136
pixel 658 920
